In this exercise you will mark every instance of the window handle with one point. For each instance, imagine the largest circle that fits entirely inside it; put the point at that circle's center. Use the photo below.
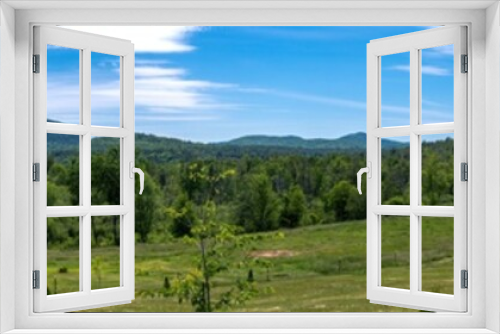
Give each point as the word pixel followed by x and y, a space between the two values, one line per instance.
pixel 141 175
pixel 368 171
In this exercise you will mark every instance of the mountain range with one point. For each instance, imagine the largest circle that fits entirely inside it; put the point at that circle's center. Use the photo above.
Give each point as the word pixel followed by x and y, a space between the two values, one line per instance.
pixel 163 149
pixel 354 141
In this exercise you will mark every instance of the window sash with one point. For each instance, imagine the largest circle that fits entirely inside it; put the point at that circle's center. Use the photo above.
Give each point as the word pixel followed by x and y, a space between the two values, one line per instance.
pixel 86 298
pixel 413 43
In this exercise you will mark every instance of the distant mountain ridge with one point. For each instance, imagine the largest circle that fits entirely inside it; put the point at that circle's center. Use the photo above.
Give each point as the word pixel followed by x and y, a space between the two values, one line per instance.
pixel 354 141
pixel 163 149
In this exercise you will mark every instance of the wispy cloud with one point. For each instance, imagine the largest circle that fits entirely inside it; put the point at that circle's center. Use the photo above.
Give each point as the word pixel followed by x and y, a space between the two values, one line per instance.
pixel 307 97
pixel 150 62
pixel 426 69
pixel 159 87
pixel 176 119
pixel 445 50
pixel 325 100
pixel 149 71
pixel 434 111
pixel 148 39
pixel 161 93
pixel 430 103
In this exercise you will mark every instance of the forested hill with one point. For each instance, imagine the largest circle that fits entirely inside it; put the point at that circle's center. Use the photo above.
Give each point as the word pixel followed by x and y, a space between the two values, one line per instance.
pixel 355 141
pixel 162 149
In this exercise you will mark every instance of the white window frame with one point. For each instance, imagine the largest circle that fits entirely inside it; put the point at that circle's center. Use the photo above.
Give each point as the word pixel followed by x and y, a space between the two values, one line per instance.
pixel 414 43
pixel 483 314
pixel 86 44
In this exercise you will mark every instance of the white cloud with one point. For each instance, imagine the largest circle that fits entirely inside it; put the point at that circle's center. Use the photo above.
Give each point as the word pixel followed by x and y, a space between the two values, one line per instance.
pixel 176 92
pixel 426 69
pixel 147 39
pixel 435 70
pixel 149 71
pixel 160 94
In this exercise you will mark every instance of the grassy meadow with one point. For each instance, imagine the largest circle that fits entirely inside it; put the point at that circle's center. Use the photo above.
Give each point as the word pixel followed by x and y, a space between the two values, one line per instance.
pixel 319 268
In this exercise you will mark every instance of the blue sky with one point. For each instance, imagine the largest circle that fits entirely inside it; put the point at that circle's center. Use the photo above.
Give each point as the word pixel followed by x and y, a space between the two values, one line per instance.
pixel 213 84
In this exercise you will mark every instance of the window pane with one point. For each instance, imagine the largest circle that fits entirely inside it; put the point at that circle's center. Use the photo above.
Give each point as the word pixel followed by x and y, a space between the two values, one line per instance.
pixel 105 172
pixel 63 84
pixel 396 251
pixel 63 259
pixel 395 171
pixel 395 89
pixel 105 91
pixel 437 84
pixel 63 170
pixel 437 169
pixel 437 254
pixel 105 252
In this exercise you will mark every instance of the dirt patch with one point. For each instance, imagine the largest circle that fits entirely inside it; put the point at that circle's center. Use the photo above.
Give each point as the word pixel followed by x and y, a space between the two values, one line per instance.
pixel 273 253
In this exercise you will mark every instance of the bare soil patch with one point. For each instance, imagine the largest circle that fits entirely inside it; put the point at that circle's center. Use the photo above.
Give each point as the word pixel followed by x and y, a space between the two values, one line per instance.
pixel 272 253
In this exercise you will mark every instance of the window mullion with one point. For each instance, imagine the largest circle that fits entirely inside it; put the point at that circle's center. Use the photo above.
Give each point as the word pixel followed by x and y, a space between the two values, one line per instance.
pixel 414 171
pixel 85 161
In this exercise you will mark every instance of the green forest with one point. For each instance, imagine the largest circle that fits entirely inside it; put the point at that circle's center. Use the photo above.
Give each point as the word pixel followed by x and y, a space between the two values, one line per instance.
pixel 272 216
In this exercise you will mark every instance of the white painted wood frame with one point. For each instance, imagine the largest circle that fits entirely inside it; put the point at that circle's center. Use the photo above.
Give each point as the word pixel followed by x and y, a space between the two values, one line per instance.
pixel 414 43
pixel 86 44
pixel 16 123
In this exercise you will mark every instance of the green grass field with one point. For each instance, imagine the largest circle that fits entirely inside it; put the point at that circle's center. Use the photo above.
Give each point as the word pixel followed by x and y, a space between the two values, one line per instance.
pixel 315 269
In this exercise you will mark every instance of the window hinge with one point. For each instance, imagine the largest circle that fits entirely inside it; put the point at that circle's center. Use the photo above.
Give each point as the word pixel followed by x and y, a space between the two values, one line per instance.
pixel 36 279
pixel 465 64
pixel 36 172
pixel 464 171
pixel 465 279
pixel 36 63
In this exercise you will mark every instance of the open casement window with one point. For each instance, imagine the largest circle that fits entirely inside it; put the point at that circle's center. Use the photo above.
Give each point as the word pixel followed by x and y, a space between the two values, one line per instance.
pixel 418 212
pixel 75 217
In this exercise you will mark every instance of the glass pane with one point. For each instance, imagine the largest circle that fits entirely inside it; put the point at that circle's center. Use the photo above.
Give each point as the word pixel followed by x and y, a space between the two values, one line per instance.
pixel 437 254
pixel 63 85
pixel 395 89
pixel 396 251
pixel 437 84
pixel 395 171
pixel 63 170
pixel 105 90
pixel 63 257
pixel 105 172
pixel 105 252
pixel 437 169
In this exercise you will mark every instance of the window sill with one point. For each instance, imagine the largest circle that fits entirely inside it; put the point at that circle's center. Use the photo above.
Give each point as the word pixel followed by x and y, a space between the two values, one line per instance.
pixel 250 331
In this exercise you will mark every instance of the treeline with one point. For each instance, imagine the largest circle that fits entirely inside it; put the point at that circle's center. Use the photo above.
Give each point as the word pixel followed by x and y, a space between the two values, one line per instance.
pixel 265 192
